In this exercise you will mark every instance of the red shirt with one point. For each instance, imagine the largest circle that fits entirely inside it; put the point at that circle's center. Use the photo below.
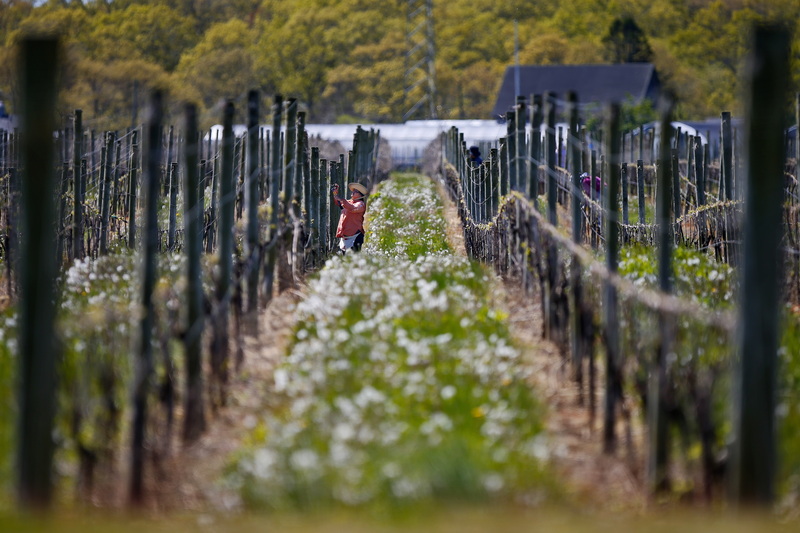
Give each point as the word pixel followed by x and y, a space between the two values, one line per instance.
pixel 351 221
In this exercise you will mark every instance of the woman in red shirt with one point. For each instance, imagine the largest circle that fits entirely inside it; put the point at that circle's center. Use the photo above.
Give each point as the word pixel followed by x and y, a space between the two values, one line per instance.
pixel 351 221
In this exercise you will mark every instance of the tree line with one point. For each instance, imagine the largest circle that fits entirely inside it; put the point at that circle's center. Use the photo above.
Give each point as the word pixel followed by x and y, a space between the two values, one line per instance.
pixel 345 59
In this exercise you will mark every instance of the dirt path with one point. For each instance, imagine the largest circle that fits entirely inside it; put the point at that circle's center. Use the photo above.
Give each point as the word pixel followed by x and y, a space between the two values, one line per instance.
pixel 592 477
pixel 192 480
pixel 192 476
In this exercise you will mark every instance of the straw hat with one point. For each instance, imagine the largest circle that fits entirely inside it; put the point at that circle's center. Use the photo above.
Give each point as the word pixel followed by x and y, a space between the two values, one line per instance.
pixel 357 187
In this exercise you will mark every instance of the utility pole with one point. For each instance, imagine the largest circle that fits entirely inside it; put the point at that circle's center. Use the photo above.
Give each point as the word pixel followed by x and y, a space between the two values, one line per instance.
pixel 420 74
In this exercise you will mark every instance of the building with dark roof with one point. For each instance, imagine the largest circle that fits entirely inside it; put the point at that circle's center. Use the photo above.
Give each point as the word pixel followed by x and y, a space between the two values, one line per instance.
pixel 593 84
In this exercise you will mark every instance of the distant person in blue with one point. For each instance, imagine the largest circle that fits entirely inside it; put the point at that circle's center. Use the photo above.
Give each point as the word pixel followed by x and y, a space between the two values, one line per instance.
pixel 475 156
pixel 3 112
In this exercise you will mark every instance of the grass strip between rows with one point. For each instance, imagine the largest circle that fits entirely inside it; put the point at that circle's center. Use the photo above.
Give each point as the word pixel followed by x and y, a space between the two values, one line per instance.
pixel 401 384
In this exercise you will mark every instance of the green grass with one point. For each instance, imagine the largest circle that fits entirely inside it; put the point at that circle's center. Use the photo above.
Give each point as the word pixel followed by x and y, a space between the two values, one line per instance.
pixel 789 408
pixel 402 387
pixel 698 347
pixel 7 402
pixel 95 324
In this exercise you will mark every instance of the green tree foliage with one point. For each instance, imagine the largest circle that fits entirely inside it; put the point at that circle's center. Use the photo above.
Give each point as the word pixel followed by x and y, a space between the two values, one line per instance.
pixel 469 45
pixel 347 57
pixel 157 34
pixel 221 66
pixel 105 90
pixel 554 48
pixel 12 12
pixel 627 42
pixel 373 80
pixel 299 52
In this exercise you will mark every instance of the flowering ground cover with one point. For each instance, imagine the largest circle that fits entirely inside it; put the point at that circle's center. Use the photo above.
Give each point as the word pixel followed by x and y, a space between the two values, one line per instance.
pixel 97 307
pixel 698 347
pixel 401 385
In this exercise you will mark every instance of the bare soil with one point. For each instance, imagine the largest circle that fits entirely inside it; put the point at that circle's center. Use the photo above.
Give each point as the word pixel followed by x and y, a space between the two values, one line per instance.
pixel 593 478
pixel 191 479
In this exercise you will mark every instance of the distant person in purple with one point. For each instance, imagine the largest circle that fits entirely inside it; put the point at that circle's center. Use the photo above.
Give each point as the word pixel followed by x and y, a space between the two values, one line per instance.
pixel 586 183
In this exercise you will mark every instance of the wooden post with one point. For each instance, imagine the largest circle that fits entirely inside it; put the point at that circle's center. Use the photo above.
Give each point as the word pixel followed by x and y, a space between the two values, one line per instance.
pixel 574 148
pixel 316 191
pixel 797 131
pixel 12 230
pixel 167 175
pixel 4 151
pixel 640 190
pixel 213 202
pixel 482 194
pixel 115 193
pixel 144 351
pixel 201 188
pixel 105 205
pixel 252 249
pixel 726 181
pixel 304 169
pixel 90 176
pixel 576 292
pixel 676 185
pixel 652 143
pixel 699 170
pixel 38 350
pixel 535 148
pixel 502 166
pixel 658 456
pixel 220 346
pixel 641 142
pixel 550 157
pixel 356 158
pixel 83 176
pixel 262 164
pixel 494 171
pixel 62 208
pixel 613 363
pixel 289 154
pixel 78 187
pixel 324 208
pixel 755 449
pixel 351 166
pixel 551 311
pixel 593 194
pixel 100 183
pixel 239 153
pixel 265 160
pixel 274 197
pixel 333 209
pixel 520 162
pixel 299 179
pixel 173 205
pixel 687 204
pixel 511 149
pixel 624 190
pixel 286 257
pixel 194 422
pixel 469 186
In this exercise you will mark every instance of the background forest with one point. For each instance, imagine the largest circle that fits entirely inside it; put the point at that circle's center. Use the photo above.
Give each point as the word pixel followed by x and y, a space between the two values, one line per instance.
pixel 345 59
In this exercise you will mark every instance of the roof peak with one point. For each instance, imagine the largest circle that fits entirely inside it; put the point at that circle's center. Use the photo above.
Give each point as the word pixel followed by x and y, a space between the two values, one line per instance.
pixel 586 65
